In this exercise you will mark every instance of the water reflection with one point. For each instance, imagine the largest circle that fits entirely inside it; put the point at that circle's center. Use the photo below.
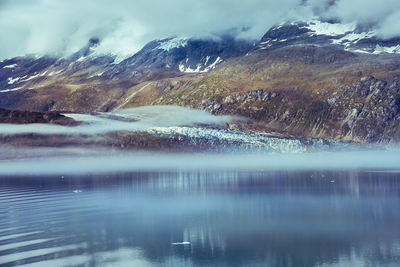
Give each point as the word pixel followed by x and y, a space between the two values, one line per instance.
pixel 253 218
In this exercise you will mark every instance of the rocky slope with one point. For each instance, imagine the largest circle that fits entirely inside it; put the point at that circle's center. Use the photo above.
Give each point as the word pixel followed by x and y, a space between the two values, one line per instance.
pixel 346 99
pixel 313 79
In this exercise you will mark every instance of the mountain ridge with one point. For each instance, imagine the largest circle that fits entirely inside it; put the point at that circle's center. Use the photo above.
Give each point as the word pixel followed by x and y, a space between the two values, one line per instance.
pixel 313 79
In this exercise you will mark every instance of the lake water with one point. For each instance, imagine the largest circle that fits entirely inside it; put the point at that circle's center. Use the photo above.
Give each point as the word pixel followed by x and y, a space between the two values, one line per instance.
pixel 202 218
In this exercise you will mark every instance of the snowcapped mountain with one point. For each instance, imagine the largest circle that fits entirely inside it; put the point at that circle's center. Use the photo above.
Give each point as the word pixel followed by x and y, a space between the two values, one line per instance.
pixel 314 32
pixel 179 55
pixel 316 79
pixel 164 57
pixel 174 56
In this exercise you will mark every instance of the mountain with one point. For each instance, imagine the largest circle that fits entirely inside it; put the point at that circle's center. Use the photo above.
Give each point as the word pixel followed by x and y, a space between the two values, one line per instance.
pixel 89 81
pixel 344 36
pixel 312 79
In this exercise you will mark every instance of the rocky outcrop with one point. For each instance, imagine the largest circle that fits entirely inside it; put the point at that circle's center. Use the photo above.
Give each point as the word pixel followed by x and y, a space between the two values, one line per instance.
pixel 366 111
pixel 25 117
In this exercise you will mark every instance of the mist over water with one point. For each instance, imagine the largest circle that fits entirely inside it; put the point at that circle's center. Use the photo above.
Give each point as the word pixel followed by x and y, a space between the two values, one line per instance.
pixel 80 161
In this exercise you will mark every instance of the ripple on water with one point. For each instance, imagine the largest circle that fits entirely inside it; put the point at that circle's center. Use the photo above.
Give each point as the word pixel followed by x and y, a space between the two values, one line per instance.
pixel 202 219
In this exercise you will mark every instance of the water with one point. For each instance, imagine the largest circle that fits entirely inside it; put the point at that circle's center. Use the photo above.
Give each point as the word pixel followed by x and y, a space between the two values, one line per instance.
pixel 202 218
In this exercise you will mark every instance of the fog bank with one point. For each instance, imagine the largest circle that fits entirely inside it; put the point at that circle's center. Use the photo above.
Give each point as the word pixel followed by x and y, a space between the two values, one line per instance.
pixel 133 119
pixel 82 162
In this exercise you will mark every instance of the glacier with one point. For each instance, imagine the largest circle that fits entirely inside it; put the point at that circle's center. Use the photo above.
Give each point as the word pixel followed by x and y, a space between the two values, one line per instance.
pixel 216 146
pixel 179 125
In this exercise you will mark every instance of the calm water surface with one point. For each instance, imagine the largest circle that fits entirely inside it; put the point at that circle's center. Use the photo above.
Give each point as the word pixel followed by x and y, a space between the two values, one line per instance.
pixel 332 218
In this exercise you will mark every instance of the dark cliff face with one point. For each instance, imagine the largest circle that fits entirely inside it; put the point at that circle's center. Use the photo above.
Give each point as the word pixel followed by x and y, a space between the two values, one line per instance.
pixel 366 111
pixel 315 79
pixel 25 117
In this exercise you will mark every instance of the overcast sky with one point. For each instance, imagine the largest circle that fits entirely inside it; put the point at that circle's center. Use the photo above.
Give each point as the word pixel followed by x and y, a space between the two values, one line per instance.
pixel 59 27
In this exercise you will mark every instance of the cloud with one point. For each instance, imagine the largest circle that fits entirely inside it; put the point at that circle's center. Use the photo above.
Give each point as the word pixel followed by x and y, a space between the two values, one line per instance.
pixel 388 27
pixel 133 119
pixel 382 16
pixel 60 27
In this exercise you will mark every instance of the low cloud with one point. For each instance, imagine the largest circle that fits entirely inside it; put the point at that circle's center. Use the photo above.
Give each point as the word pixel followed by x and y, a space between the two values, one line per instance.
pixel 62 161
pixel 133 119
pixel 60 27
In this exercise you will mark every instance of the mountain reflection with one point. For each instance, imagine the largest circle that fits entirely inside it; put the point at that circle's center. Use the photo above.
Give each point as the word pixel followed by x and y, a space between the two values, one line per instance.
pixel 308 218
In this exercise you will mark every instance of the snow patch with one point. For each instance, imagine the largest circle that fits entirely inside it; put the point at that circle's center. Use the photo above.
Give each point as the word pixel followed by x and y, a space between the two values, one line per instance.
pixel 207 59
pixel 10 66
pixel 183 68
pixel 169 44
pixel 383 49
pixel 121 57
pixel 81 59
pixel 12 90
pixel 333 29
pixel 55 72
pixel 357 51
pixel 213 65
pixel 352 38
pixel 31 77
pixel 13 80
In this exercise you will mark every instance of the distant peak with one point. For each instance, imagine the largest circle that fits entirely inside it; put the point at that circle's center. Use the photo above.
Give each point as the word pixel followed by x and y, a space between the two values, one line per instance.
pixel 348 36
pixel 93 42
